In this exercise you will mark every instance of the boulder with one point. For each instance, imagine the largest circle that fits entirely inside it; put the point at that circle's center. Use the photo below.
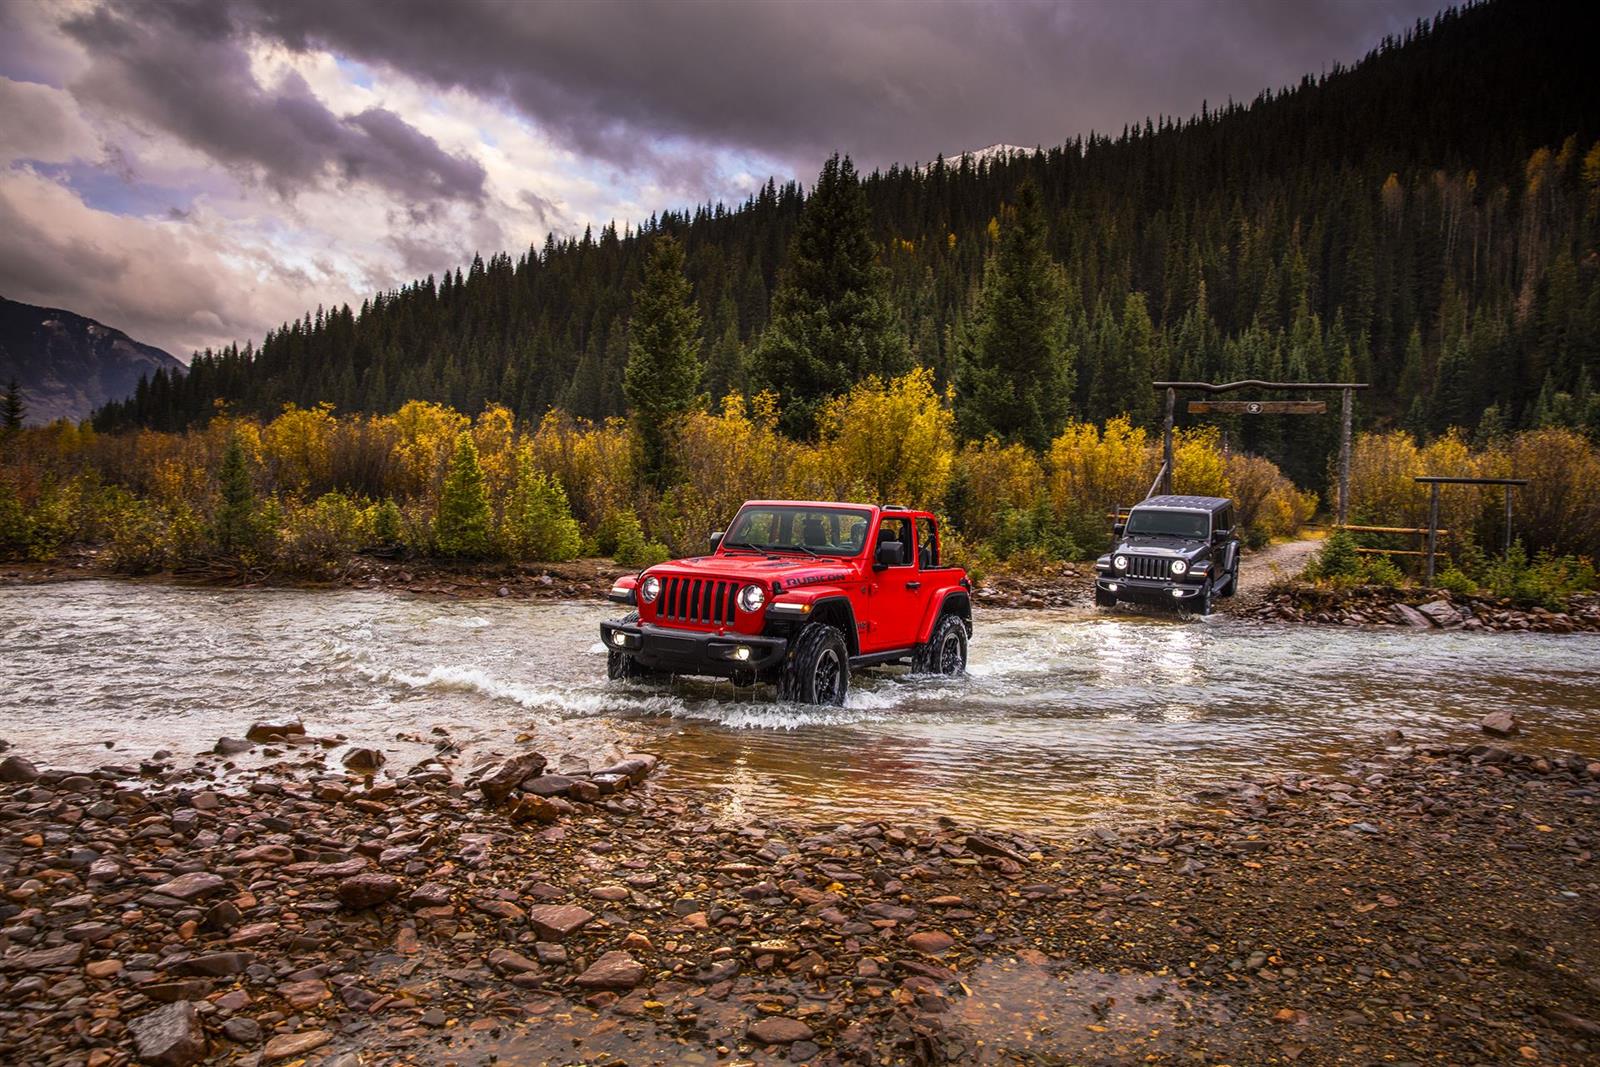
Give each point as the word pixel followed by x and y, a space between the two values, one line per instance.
pixel 548 785
pixel 497 783
pixel 368 890
pixel 232 746
pixel 615 970
pixel 1406 615
pixel 275 731
pixel 363 760
pixel 532 809
pixel 1500 724
pixel 17 769
pixel 1441 612
pixel 779 1030
pixel 552 922
pixel 194 886
pixel 170 1036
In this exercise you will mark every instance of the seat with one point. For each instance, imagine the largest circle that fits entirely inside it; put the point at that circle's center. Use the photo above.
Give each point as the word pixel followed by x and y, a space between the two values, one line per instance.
pixel 814 533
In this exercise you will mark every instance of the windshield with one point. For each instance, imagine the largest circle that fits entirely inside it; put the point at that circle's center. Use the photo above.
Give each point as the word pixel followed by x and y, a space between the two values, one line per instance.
pixel 793 528
pixel 1151 522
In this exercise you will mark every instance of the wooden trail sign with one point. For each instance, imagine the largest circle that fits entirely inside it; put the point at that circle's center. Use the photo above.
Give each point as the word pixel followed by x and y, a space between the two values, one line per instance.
pixel 1258 407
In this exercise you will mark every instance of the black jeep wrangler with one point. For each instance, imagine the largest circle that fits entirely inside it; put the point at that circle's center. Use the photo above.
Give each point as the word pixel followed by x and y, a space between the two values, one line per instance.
pixel 1179 551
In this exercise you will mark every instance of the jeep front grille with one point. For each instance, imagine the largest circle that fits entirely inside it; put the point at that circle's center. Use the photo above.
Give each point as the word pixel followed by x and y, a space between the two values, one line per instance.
pixel 699 600
pixel 1149 567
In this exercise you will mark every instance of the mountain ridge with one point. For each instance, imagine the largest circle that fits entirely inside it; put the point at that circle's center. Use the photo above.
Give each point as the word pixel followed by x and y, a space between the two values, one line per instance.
pixel 68 364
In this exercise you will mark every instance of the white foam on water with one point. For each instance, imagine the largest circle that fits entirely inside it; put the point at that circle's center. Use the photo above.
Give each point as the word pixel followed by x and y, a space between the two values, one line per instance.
pixel 469 622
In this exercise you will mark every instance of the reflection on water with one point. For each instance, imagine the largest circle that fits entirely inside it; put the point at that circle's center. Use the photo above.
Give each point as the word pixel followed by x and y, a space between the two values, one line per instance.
pixel 1064 716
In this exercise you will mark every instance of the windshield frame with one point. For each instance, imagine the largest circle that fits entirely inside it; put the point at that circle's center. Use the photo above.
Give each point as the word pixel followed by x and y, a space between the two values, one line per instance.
pixel 784 515
pixel 1204 518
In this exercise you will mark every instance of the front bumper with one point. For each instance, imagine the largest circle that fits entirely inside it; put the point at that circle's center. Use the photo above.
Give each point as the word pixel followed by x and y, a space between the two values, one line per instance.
pixel 1150 591
pixel 661 648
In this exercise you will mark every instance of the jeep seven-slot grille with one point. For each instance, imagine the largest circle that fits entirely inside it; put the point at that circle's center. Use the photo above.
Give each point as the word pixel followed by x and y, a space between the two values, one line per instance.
pixel 1149 567
pixel 701 600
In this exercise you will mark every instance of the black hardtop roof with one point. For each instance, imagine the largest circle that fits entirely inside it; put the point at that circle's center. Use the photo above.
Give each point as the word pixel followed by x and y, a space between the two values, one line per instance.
pixel 1186 503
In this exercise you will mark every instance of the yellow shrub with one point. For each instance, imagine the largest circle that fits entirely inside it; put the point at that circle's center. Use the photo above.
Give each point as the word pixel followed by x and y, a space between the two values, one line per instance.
pixel 895 438
pixel 1093 472
pixel 991 478
pixel 297 447
pixel 424 438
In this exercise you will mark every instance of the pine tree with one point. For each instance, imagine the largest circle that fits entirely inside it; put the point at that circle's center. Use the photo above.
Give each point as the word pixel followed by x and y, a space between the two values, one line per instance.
pixel 832 319
pixel 663 368
pixel 1017 383
pixel 538 520
pixel 12 408
pixel 235 526
pixel 463 524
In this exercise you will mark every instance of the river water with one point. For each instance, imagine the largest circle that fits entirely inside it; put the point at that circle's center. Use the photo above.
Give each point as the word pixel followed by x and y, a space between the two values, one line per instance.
pixel 1065 717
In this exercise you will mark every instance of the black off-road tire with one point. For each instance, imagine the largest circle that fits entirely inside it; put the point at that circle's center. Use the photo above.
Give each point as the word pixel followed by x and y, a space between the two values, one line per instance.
pixel 1103 599
pixel 946 650
pixel 817 670
pixel 1200 605
pixel 620 665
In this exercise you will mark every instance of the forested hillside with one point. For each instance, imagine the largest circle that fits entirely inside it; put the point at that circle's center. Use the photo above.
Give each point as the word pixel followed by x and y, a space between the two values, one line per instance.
pixel 1425 220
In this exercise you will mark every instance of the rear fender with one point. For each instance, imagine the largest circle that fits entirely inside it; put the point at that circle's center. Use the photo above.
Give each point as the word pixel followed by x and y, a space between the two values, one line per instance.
pixel 951 602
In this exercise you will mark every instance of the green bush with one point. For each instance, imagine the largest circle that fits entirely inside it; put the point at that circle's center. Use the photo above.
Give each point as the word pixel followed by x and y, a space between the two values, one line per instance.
pixel 1336 559
pixel 318 540
pixel 386 523
pixel 1033 534
pixel 1454 580
pixel 140 534
pixel 15 529
pixel 1381 570
pixel 630 547
pixel 538 522
pixel 1547 580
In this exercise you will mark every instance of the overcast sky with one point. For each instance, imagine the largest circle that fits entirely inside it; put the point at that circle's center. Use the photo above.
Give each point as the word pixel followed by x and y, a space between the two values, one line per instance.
pixel 196 172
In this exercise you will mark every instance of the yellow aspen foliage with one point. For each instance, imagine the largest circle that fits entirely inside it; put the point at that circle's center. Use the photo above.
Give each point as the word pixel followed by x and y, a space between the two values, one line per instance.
pixel 895 439
pixel 297 447
pixel 1093 471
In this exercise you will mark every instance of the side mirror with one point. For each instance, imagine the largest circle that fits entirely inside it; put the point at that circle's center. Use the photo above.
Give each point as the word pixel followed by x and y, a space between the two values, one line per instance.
pixel 890 554
pixel 1119 529
pixel 716 541
pixel 1221 535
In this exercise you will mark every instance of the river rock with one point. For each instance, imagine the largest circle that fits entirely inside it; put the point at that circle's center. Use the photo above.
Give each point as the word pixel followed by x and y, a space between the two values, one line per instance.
pixel 930 942
pixel 215 964
pixel 363 760
pixel 498 782
pixel 508 962
pixel 615 970
pixel 170 1036
pixel 1500 724
pixel 552 922
pixel 194 886
pixel 528 808
pixel 285 1045
pixel 1406 615
pixel 17 769
pixel 548 785
pixel 1441 612
pixel 232 746
pixel 779 1030
pixel 276 731
pixel 368 890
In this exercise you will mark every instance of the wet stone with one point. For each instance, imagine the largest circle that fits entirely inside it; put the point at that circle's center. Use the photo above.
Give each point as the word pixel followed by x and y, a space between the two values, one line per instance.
pixel 554 922
pixel 613 971
pixel 170 1036
pixel 195 886
pixel 778 1030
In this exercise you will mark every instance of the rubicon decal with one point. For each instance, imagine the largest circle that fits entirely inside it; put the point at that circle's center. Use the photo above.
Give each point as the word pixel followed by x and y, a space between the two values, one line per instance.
pixel 813 579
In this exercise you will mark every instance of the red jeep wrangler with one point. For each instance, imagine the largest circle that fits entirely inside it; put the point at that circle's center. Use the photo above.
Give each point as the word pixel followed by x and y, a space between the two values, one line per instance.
pixel 797 593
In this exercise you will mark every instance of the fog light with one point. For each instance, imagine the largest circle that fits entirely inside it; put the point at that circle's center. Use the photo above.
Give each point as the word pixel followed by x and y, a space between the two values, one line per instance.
pixel 619 638
pixel 741 653
pixel 1179 592
pixel 1111 587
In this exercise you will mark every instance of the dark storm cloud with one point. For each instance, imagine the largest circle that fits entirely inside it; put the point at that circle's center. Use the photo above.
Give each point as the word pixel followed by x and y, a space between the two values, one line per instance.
pixel 183 69
pixel 886 81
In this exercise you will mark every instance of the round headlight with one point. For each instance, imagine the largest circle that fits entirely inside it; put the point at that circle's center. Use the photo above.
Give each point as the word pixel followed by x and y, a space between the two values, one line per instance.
pixel 1179 567
pixel 1121 563
pixel 752 598
pixel 649 589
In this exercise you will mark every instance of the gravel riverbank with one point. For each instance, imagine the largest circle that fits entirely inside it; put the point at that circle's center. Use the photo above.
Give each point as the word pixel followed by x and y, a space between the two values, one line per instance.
pixel 1437 903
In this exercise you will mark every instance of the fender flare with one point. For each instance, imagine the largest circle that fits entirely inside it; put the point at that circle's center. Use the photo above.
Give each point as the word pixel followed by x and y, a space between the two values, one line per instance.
pixel 832 603
pixel 952 602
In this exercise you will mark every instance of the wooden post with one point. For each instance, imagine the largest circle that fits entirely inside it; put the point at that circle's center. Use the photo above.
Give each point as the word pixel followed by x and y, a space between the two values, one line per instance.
pixel 1344 456
pixel 1508 521
pixel 1433 527
pixel 1166 441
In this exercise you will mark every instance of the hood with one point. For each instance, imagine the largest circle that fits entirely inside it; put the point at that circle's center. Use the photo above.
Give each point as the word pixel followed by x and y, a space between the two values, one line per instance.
pixel 1161 545
pixel 786 570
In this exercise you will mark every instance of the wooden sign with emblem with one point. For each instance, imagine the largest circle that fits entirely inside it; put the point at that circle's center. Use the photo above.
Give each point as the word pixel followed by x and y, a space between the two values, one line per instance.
pixel 1257 407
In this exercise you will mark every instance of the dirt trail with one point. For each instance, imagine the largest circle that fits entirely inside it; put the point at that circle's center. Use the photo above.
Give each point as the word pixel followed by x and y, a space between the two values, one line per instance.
pixel 1259 569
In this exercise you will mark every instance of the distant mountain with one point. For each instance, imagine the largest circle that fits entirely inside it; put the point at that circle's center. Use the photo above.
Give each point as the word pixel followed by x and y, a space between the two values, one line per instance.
pixel 981 155
pixel 68 365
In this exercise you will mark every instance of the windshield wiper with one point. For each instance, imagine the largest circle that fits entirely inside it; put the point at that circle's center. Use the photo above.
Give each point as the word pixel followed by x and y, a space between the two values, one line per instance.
pixel 745 545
